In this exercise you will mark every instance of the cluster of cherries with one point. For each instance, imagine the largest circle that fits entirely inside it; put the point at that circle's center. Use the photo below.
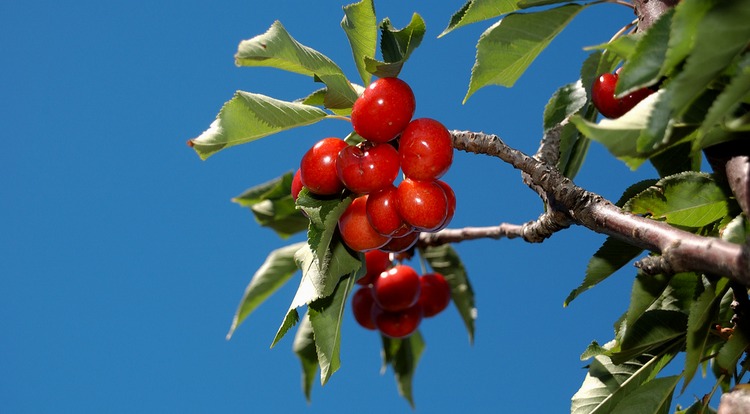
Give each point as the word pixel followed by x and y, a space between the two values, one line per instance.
pixel 394 299
pixel 383 215
pixel 605 100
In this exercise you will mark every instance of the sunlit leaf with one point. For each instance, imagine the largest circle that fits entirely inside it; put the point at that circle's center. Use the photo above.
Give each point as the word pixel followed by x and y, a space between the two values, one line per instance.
pixel 361 28
pixel 276 48
pixel 396 46
pixel 273 206
pixel 275 271
pixel 507 48
pixel 403 355
pixel 249 116
pixel 653 397
pixel 477 10
pixel 643 67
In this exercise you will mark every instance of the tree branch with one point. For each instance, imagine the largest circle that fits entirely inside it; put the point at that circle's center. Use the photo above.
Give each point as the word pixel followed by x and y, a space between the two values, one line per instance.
pixel 680 250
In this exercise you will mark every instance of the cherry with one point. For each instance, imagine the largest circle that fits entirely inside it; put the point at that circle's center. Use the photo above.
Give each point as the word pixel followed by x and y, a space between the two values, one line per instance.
pixel 422 204
pixel 381 211
pixel 435 294
pixel 296 184
pixel 376 262
pixel 362 304
pixel 383 110
pixel 367 167
pixel 451 196
pixel 398 324
pixel 401 244
pixel 397 288
pixel 426 149
pixel 603 96
pixel 356 230
pixel 318 167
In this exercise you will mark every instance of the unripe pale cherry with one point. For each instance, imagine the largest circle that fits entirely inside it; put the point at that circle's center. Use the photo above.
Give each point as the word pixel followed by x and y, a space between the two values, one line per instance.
pixel 425 149
pixel 355 228
pixel 367 167
pixel 318 167
pixel 383 110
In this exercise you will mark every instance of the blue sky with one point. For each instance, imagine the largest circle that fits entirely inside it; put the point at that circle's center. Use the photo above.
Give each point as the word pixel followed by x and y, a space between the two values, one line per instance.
pixel 122 259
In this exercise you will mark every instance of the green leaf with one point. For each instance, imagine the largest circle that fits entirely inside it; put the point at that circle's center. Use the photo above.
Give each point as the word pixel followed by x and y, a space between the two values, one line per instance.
pixel 318 98
pixel 607 384
pixel 688 13
pixel 444 260
pixel 677 159
pixel 737 230
pixel 276 48
pixel 566 101
pixel 361 28
pixel 697 408
pixel 249 116
pixel 654 329
pixel 613 255
pixel 273 206
pixel 573 149
pixel 403 355
pixel 326 317
pixel 654 396
pixel 634 190
pixel 277 269
pixel 688 199
pixel 730 98
pixel 661 292
pixel 396 46
pixel 477 10
pixel 643 67
pixel 703 314
pixel 304 347
pixel 507 48
pixel 594 349
pixel 732 351
pixel 323 215
pixel 722 33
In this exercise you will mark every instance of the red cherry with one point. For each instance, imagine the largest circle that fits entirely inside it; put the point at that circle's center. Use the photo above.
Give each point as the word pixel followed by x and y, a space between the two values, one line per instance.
pixel 401 244
pixel 398 324
pixel 426 150
pixel 376 262
pixel 397 288
pixel 362 304
pixel 383 216
pixel 435 294
pixel 603 96
pixel 367 167
pixel 355 229
pixel 451 196
pixel 383 110
pixel 423 204
pixel 318 167
pixel 297 184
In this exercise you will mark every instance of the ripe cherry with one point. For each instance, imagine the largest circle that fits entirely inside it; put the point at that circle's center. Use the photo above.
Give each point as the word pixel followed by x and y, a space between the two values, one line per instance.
pixel 356 230
pixel 603 96
pixel 451 196
pixel 435 294
pixel 367 167
pixel 401 244
pixel 398 324
pixel 362 304
pixel 382 213
pixel 318 167
pixel 422 204
pixel 397 289
pixel 383 110
pixel 426 150
pixel 296 184
pixel 376 262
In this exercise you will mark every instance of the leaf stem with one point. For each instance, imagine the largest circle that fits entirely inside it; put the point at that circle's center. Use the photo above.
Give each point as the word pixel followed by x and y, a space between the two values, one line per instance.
pixel 339 117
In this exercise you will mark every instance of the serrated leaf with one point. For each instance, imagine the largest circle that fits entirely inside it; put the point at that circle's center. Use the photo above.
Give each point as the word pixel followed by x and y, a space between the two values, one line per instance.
pixel 250 116
pixel 634 190
pixel 722 33
pixel 661 292
pixel 703 313
pixel 654 396
pixel 478 10
pixel 730 354
pixel 277 48
pixel 304 347
pixel 323 215
pixel 340 261
pixel 273 206
pixel 403 355
pixel 396 46
pixel 275 271
pixel 317 98
pixel 361 28
pixel 607 384
pixel 611 256
pixel 507 48
pixel 622 46
pixel 682 36
pixel 326 317
pixel 444 260
pixel 730 98
pixel 644 67
pixel 652 330
pixel 566 101
pixel 594 349
pixel 688 199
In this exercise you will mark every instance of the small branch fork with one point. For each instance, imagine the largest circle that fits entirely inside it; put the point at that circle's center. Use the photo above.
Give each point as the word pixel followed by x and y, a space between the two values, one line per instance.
pixel 568 204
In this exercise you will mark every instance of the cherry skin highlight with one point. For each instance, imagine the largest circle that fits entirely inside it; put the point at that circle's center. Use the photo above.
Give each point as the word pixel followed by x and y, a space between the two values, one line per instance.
pixel 605 101
pixel 383 216
pixel 367 167
pixel 355 229
pixel 422 204
pixel 397 288
pixel 426 150
pixel 318 167
pixel 383 110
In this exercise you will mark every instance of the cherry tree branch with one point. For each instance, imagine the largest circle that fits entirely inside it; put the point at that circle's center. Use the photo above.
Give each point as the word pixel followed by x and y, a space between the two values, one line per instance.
pixel 680 250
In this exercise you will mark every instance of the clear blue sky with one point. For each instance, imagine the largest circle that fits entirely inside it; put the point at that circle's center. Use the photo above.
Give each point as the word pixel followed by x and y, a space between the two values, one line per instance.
pixel 122 259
